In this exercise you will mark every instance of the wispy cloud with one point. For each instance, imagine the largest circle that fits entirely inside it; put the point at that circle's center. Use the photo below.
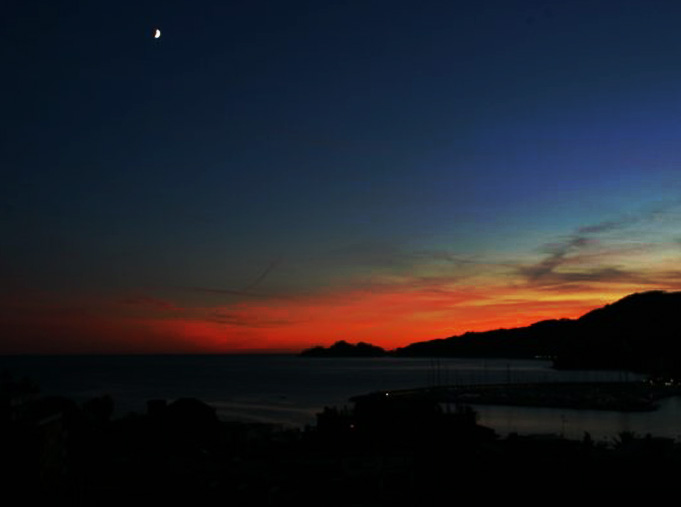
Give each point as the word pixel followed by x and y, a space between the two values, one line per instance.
pixel 391 255
pixel 589 255
pixel 607 226
pixel 248 319
pixel 556 257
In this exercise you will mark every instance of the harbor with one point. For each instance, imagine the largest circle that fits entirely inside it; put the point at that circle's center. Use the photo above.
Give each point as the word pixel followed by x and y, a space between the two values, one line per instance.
pixel 614 396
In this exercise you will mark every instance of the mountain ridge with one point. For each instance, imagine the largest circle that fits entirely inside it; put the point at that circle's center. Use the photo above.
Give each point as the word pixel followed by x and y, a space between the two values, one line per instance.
pixel 639 332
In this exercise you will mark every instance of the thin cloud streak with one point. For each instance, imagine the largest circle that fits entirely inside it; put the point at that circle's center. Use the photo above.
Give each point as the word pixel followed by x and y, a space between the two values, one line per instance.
pixel 262 276
pixel 249 319
pixel 573 253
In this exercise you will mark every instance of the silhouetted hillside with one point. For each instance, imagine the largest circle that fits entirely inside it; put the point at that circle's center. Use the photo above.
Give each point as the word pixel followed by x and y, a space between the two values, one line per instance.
pixel 639 332
pixel 539 339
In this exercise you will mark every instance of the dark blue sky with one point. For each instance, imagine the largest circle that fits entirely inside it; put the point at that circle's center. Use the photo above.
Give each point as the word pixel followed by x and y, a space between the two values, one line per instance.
pixel 302 149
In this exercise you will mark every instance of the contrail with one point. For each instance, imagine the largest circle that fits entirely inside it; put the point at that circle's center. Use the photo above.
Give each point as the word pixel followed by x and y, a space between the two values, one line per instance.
pixel 262 275
pixel 246 291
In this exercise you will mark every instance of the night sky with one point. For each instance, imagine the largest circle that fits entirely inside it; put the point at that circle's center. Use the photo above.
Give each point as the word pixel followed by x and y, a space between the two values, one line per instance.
pixel 272 175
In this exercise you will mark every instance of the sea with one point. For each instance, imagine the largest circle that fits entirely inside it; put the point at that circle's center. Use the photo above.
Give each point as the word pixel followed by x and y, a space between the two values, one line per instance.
pixel 288 390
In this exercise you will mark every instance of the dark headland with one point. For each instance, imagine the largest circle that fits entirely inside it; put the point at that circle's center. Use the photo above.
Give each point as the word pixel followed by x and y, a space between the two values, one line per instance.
pixel 640 332
pixel 344 349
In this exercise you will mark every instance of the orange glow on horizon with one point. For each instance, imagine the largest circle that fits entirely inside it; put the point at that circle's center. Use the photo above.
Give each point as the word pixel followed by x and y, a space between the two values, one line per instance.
pixel 389 317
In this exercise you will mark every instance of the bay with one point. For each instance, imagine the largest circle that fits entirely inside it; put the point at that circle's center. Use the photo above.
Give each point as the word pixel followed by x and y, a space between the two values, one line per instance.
pixel 290 390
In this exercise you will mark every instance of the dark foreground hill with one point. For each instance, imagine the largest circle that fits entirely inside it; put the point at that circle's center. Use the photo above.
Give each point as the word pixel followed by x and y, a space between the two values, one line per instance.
pixel 397 450
pixel 640 332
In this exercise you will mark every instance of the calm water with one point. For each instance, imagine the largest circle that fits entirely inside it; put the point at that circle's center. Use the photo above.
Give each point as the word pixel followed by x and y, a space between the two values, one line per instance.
pixel 290 390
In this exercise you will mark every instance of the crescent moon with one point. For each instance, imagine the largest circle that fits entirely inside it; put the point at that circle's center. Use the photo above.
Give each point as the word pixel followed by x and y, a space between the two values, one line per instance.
pixel 157 34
